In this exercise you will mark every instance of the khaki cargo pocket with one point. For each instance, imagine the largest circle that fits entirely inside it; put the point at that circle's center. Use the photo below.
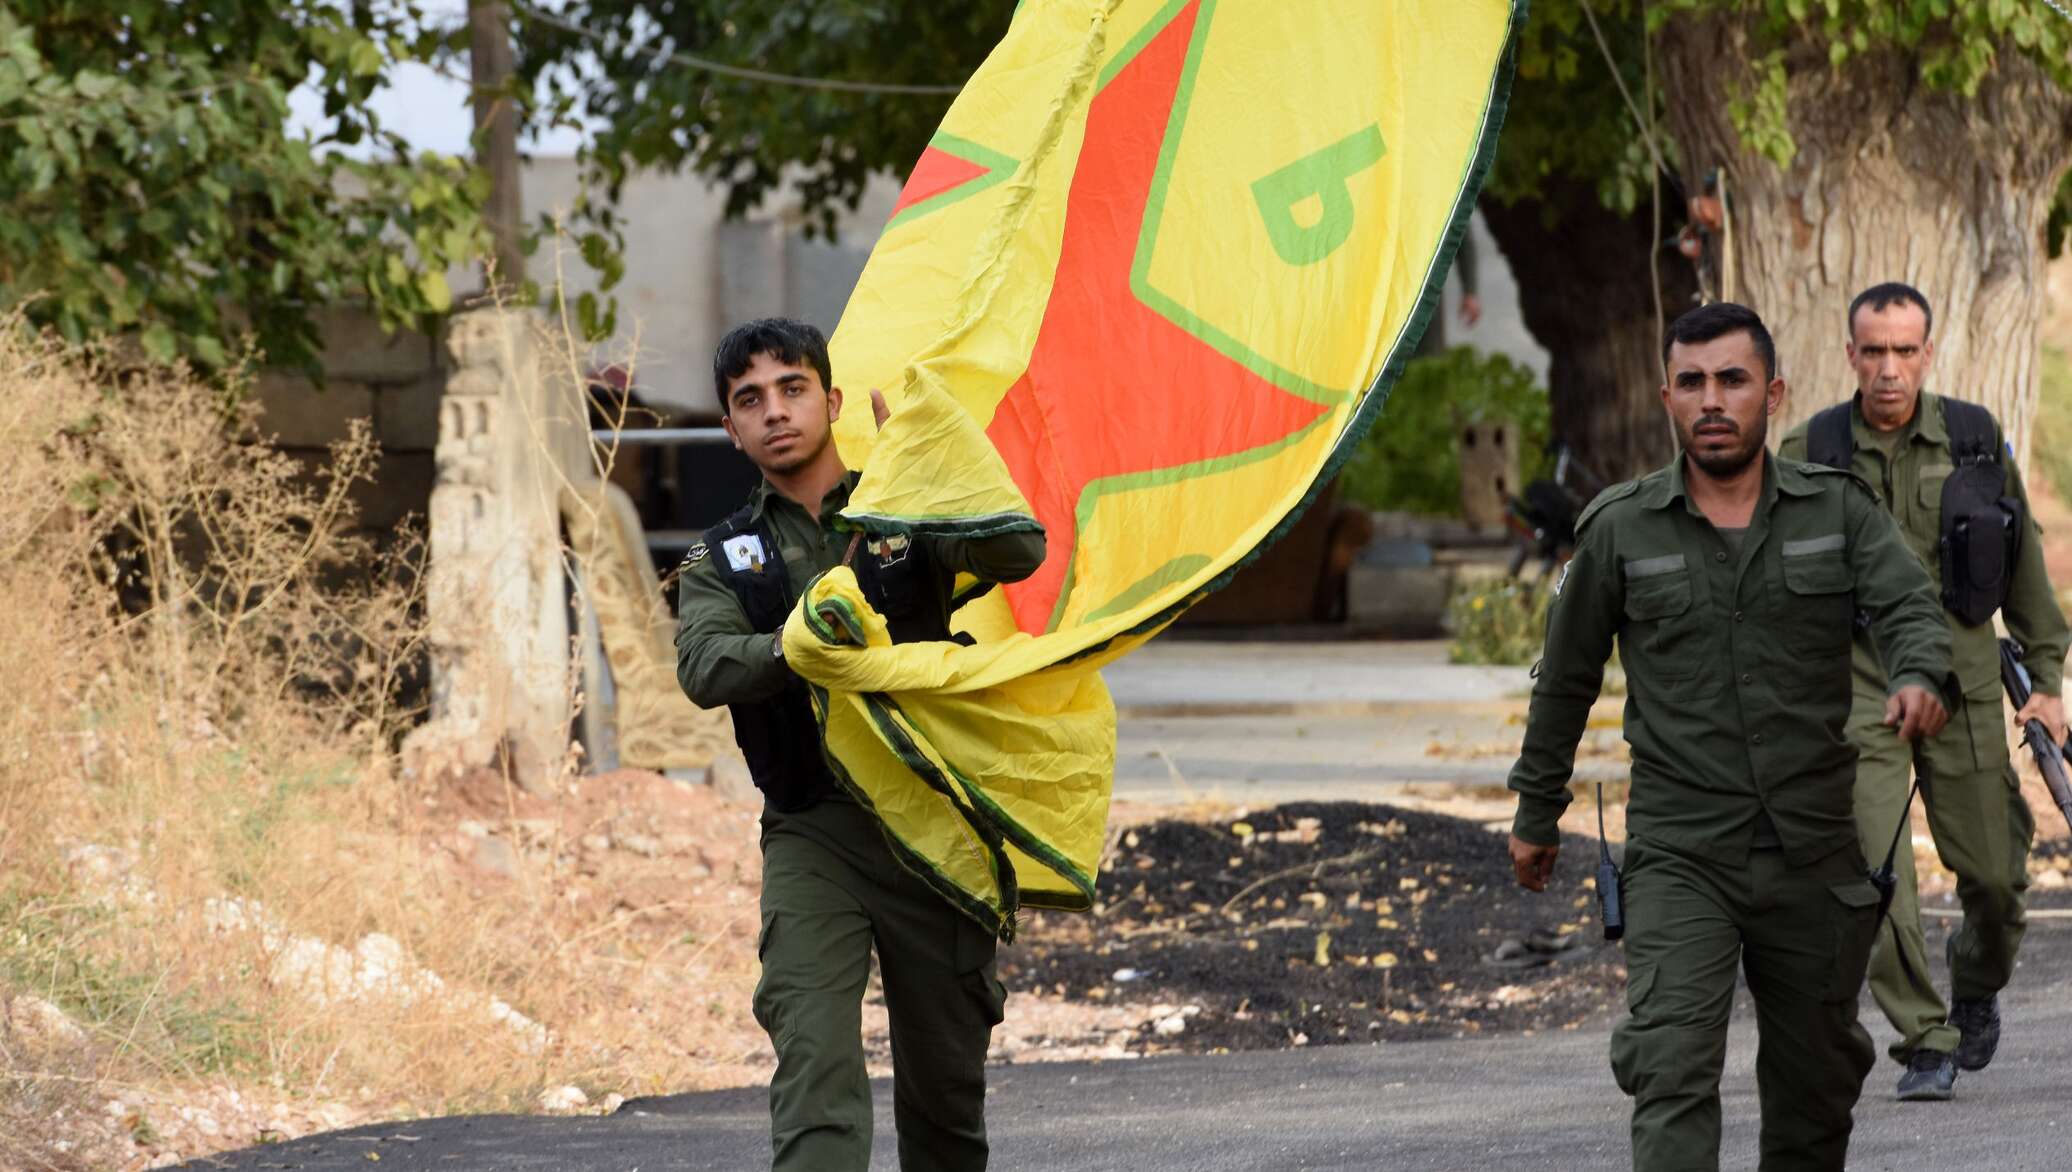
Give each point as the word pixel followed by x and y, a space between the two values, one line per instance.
pixel 1855 912
pixel 1990 749
pixel 1932 478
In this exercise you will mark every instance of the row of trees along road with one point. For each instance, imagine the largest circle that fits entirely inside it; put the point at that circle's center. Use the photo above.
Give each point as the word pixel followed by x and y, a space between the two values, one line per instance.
pixel 1860 141
pixel 152 186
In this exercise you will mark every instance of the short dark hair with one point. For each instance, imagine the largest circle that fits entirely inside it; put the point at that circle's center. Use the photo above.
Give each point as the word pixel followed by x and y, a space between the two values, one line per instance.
pixel 1717 320
pixel 1884 296
pixel 785 339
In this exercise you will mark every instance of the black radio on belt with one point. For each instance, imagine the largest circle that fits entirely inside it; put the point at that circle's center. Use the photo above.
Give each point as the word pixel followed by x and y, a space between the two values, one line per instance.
pixel 1608 898
pixel 1610 906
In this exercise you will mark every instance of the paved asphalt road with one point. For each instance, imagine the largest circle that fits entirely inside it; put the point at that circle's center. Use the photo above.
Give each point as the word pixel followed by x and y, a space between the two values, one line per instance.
pixel 1543 1102
pixel 1270 758
pixel 1188 676
pixel 1262 723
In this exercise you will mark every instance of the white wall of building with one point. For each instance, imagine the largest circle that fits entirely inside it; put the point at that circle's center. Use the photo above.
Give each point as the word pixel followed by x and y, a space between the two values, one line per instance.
pixel 691 274
pixel 1502 329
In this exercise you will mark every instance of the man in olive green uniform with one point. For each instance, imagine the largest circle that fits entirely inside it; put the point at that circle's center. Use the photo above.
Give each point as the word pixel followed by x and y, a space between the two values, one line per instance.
pixel 832 889
pixel 1982 827
pixel 1728 580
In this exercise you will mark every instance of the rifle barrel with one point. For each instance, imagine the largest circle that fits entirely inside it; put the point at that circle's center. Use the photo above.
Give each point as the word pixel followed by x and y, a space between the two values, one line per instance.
pixel 2051 762
pixel 2050 756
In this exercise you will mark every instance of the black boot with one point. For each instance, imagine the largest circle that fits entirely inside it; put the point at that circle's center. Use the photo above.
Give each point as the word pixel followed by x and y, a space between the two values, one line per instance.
pixel 1931 1076
pixel 1979 1021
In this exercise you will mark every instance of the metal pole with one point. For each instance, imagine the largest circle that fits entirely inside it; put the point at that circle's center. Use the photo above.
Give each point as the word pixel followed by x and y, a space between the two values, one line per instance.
pixel 657 436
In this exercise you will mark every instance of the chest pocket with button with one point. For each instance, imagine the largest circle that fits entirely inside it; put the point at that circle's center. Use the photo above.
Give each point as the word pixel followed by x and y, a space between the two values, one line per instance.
pixel 1931 481
pixel 1817 620
pixel 1665 643
pixel 1923 526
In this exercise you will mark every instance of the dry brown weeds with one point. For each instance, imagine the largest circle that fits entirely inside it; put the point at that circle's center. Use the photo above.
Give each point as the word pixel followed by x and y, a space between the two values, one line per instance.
pixel 209 859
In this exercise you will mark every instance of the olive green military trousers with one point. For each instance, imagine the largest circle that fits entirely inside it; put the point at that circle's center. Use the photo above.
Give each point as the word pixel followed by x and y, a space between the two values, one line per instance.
pixel 832 892
pixel 1801 935
pixel 1982 830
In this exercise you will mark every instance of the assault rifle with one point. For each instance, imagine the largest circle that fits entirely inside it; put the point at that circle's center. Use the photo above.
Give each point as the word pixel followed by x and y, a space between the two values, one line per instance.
pixel 2050 756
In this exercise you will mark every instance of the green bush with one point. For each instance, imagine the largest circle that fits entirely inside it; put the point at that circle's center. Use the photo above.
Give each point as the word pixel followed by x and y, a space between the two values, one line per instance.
pixel 1497 620
pixel 1410 460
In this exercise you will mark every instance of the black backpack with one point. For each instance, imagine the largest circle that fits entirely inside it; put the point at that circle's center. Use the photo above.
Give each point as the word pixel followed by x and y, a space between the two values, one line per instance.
pixel 1982 524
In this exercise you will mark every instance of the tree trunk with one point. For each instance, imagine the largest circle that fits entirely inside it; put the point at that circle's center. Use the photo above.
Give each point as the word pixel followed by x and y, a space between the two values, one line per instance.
pixel 1585 293
pixel 496 120
pixel 1892 181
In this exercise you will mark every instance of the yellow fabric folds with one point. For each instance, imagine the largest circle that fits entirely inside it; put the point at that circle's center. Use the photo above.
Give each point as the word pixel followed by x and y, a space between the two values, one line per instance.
pixel 992 781
pixel 1147 287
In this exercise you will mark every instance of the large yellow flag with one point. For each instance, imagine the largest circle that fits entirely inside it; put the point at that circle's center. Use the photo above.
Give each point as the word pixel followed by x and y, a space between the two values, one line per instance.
pixel 1146 288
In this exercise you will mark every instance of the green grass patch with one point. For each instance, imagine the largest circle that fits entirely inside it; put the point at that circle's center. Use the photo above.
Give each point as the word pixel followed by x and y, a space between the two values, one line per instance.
pixel 142 1009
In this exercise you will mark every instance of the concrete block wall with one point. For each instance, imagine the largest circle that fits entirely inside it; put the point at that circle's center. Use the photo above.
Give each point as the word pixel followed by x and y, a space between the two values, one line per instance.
pixel 394 381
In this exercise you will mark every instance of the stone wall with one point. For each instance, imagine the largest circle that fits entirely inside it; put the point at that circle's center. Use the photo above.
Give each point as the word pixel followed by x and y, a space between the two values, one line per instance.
pixel 393 381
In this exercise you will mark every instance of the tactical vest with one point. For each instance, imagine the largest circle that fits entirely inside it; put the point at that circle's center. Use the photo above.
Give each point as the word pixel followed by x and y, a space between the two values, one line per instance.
pixel 780 736
pixel 1982 523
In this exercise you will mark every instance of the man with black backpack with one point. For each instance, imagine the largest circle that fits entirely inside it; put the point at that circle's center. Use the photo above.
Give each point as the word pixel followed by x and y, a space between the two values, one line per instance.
pixel 1943 470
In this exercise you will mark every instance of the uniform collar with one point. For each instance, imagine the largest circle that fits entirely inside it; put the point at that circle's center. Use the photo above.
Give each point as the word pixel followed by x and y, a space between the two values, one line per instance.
pixel 836 497
pixel 1666 486
pixel 1927 423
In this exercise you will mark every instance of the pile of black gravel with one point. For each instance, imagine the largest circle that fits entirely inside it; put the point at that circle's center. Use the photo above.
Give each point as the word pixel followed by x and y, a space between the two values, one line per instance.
pixel 1327 922
pixel 2053 854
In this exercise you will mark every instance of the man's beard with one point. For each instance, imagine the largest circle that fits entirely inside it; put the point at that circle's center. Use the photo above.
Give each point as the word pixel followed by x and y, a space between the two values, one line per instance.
pixel 1722 463
pixel 800 457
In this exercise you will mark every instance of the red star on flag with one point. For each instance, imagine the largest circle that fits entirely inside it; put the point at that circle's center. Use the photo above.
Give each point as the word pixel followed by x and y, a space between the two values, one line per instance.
pixel 1114 388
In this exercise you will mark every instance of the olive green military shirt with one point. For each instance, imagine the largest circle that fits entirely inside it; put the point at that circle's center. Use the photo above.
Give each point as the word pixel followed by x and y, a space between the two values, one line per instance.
pixel 1907 470
pixel 1737 666
pixel 721 659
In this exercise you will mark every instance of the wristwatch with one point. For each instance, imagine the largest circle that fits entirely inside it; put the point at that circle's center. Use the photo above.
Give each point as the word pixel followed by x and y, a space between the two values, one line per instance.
pixel 777 646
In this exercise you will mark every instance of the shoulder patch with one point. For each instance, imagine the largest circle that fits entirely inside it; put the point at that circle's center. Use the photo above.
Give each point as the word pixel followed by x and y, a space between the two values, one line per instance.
pixel 697 554
pixel 1616 492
